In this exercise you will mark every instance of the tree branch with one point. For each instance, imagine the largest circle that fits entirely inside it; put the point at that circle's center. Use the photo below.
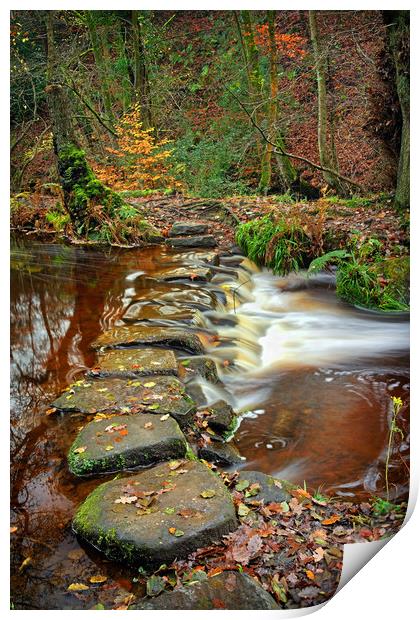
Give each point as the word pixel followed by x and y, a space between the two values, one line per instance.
pixel 89 107
pixel 280 151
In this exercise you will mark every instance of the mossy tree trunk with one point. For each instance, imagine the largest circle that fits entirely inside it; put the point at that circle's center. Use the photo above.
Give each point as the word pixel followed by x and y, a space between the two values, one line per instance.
pixel 398 30
pixel 96 33
pixel 141 78
pixel 81 189
pixel 327 156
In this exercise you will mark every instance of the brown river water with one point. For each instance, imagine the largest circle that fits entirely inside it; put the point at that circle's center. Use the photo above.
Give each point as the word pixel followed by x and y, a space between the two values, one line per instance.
pixel 311 376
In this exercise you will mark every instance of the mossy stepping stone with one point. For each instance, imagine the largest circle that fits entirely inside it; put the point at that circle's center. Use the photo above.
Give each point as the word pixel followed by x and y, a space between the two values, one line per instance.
pixel 205 367
pixel 159 395
pixel 132 363
pixel 221 453
pixel 187 228
pixel 125 441
pixel 133 335
pixel 228 590
pixel 161 312
pixel 195 274
pixel 158 515
pixel 222 417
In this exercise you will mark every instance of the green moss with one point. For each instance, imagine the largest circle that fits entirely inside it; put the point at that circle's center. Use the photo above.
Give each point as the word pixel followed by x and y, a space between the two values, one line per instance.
pixel 189 454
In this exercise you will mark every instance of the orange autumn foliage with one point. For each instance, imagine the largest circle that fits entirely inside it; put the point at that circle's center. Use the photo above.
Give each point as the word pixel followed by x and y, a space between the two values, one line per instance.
pixel 139 160
pixel 288 45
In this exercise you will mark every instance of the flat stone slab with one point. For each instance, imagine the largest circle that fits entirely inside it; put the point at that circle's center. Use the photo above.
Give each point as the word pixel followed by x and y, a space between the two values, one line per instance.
pixel 191 297
pixel 204 241
pixel 271 489
pixel 161 312
pixel 158 515
pixel 125 441
pixel 133 335
pixel 195 274
pixel 188 228
pixel 228 590
pixel 132 363
pixel 159 395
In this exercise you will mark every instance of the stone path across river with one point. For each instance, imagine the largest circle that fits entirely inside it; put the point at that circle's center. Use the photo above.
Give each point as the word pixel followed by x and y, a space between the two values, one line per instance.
pixel 140 414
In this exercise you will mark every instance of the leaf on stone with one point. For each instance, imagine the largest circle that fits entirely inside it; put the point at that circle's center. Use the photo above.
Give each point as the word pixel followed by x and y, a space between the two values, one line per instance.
pixel 50 411
pixel 207 493
pixel 13 529
pixel 187 513
pixel 242 485
pixel 148 425
pixel 153 407
pixel 243 510
pixel 105 389
pixel 126 499
pixel 108 448
pixel 310 574
pixel 254 489
pixel 175 532
pixel 123 432
pixel 98 579
pixel 174 464
pixel 25 563
pixel 155 585
pixel 77 587
pixel 169 510
pixel 150 384
pixel 318 554
pixel 80 450
pixel 164 417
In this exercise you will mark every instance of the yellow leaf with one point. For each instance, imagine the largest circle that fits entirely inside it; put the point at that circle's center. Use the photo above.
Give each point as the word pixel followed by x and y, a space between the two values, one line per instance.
pixel 77 587
pixel 25 563
pixel 150 384
pixel 80 450
pixel 108 448
pixel 98 579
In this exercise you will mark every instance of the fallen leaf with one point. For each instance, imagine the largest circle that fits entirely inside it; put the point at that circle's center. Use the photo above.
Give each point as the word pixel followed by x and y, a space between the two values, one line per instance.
pixel 25 563
pixel 150 384
pixel 80 450
pixel 175 532
pixel 126 499
pixel 331 520
pixel 50 411
pixel 207 493
pixel 243 510
pixel 148 425
pixel 108 448
pixel 242 485
pixel 13 529
pixel 155 585
pixel 98 579
pixel 310 574
pixel 77 587
pixel 164 417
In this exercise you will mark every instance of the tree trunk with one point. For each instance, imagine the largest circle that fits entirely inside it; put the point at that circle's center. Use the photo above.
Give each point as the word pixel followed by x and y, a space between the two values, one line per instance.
pixel 141 80
pixel 326 150
pixel 81 189
pixel 100 61
pixel 398 29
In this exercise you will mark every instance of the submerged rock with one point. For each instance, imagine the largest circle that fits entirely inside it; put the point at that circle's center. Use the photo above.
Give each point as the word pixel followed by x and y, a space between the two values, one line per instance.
pixel 204 241
pixel 271 489
pixel 188 228
pixel 133 335
pixel 228 590
pixel 221 453
pixel 195 274
pixel 135 362
pixel 125 441
pixel 158 395
pixel 161 312
pixel 157 515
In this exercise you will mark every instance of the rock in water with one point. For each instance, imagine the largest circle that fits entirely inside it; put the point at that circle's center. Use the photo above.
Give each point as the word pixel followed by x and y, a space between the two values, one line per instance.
pixel 187 228
pixel 228 590
pixel 204 241
pixel 131 363
pixel 132 336
pixel 157 515
pixel 159 395
pixel 109 445
pixel 195 274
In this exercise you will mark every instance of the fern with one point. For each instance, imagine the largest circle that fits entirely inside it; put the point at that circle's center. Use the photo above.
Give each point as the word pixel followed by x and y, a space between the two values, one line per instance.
pixel 331 257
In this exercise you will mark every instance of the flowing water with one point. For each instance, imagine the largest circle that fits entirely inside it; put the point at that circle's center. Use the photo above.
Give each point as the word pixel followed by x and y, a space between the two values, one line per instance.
pixel 311 376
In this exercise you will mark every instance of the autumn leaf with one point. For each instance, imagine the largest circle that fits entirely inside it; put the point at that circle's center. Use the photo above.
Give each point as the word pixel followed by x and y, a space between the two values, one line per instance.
pixel 175 532
pixel 50 411
pixel 25 563
pixel 148 425
pixel 318 554
pixel 153 407
pixel 13 529
pixel 80 450
pixel 77 587
pixel 331 520
pixel 98 579
pixel 150 384
pixel 243 510
pixel 310 574
pixel 242 485
pixel 207 493
pixel 164 417
pixel 126 499
pixel 108 448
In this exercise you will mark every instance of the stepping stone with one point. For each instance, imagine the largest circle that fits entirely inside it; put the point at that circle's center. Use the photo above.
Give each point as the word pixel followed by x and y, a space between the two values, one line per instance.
pixel 271 489
pixel 195 274
pixel 187 228
pixel 228 590
pixel 191 298
pixel 161 312
pixel 222 417
pixel 125 441
pixel 133 335
pixel 158 515
pixel 131 363
pixel 205 241
pixel 221 454
pixel 199 366
pixel 158 395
